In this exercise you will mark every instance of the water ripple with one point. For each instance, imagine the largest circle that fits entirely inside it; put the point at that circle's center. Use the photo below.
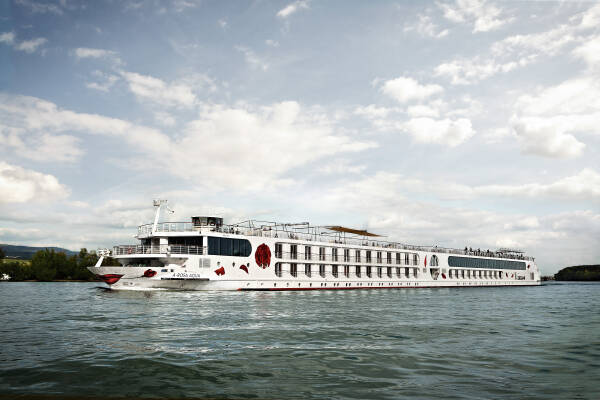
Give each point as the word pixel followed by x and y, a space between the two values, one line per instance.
pixel 74 339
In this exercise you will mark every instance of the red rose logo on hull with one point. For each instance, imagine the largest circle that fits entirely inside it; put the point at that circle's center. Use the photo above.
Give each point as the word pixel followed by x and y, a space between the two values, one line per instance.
pixel 263 256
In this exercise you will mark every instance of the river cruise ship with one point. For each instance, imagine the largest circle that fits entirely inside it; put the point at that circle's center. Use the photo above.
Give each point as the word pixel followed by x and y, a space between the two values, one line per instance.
pixel 205 254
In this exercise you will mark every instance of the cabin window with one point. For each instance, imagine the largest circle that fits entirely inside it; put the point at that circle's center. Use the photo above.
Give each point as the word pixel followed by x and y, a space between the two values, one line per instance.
pixel 293 251
pixel 399 272
pixel 369 271
pixel 347 271
pixel 278 269
pixel 358 271
pixel 415 259
pixel 406 260
pixel 434 261
pixel 416 272
pixel 379 257
pixel 346 255
pixel 389 258
pixel 307 270
pixel 322 270
pixel 334 254
pixel 321 253
pixel 218 246
pixel 379 272
pixel 294 269
pixel 334 270
pixel 389 272
pixel 307 252
pixel 398 259
pixel 357 255
pixel 278 250
pixel 368 256
pixel 406 272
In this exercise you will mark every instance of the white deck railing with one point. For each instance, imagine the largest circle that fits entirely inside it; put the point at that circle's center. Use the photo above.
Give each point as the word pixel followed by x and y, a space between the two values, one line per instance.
pixel 275 231
pixel 162 249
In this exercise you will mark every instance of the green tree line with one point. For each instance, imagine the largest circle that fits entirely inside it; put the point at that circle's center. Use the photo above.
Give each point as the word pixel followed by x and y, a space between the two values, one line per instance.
pixel 48 265
pixel 579 273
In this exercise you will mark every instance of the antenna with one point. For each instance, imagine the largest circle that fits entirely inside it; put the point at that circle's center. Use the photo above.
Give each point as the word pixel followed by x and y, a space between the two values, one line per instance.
pixel 158 204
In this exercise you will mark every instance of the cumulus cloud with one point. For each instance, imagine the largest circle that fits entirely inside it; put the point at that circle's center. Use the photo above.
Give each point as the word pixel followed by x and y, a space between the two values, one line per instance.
pixel 7 37
pixel 86 52
pixel 424 26
pixel 546 123
pixel 405 89
pixel 292 8
pixel 443 131
pixel 246 147
pixel 483 15
pixel 242 147
pixel 19 185
pixel 154 90
pixel 517 51
pixel 28 46
pixel 28 123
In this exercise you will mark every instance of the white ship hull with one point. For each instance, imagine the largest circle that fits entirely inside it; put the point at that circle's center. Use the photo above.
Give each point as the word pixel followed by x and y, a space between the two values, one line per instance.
pixel 286 270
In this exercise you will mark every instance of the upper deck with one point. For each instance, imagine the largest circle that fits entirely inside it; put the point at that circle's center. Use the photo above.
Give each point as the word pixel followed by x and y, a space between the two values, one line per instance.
pixel 307 233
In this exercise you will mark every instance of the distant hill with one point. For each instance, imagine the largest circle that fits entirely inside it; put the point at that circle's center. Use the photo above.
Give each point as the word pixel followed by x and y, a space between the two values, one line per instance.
pixel 26 252
pixel 579 273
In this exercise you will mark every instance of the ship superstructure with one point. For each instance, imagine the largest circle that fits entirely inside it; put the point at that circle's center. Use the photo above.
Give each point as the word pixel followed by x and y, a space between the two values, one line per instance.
pixel 206 254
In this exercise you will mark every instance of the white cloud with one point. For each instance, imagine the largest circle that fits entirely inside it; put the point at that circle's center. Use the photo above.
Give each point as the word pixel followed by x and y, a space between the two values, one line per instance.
pixel 424 26
pixel 41 8
pixel 272 43
pixel 372 111
pixel 583 186
pixel 404 89
pixel 251 149
pixel 520 50
pixel 104 81
pixel 444 131
pixel 243 148
pixel 86 52
pixel 222 23
pixel 19 185
pixel 155 90
pixel 252 59
pixel 28 46
pixel 589 51
pixel 543 137
pixel 483 15
pixel 341 167
pixel 32 122
pixel 7 37
pixel 164 118
pixel 546 122
pixel 292 8
pixel 421 110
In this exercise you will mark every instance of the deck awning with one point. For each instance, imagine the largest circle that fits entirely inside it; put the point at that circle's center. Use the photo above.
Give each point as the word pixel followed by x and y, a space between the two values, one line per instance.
pixel 350 230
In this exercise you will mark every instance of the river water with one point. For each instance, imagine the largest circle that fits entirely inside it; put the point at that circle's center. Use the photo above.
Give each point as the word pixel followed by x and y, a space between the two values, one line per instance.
pixel 76 339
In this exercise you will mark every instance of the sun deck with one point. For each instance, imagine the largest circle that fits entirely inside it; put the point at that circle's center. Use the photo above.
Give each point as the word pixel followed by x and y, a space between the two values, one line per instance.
pixel 295 231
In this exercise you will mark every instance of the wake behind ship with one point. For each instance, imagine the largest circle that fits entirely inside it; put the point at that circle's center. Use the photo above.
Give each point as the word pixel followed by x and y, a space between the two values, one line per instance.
pixel 205 254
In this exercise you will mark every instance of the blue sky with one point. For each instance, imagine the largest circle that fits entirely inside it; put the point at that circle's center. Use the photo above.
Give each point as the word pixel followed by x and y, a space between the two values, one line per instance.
pixel 455 123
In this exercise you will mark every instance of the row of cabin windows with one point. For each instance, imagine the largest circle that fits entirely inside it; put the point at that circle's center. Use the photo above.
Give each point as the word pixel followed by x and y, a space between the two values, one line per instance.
pixel 467 273
pixel 348 270
pixel 348 255
pixel 220 246
pixel 472 262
